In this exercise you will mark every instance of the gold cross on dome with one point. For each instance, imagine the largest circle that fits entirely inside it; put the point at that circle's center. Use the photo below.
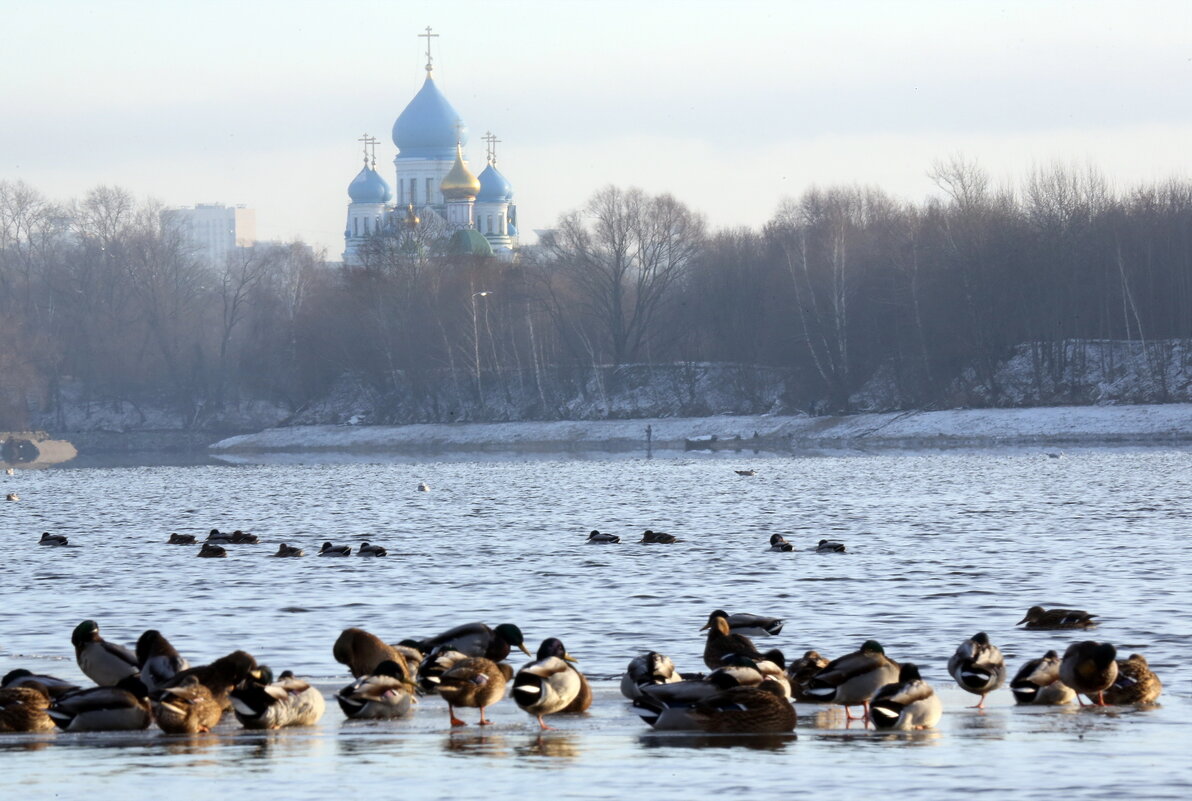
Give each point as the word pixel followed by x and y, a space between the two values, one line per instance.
pixel 428 36
pixel 366 139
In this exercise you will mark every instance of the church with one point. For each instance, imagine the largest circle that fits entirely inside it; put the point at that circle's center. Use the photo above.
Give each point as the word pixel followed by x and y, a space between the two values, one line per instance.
pixel 435 189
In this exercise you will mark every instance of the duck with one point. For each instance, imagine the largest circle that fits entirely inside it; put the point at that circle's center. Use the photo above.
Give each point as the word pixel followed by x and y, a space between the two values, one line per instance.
pixel 209 551
pixel 752 673
pixel 722 642
pixel 220 676
pixel 829 546
pixel 478 639
pixel 551 684
pixel 384 694
pixel 1039 619
pixel 335 550
pixel 105 663
pixel 123 707
pixel 53 685
pixel 437 662
pixel 363 652
pixel 189 708
pixel 244 538
pixel 646 670
pixel 1089 668
pixel 852 679
pixel 8 471
pixel 409 650
pixel 597 538
pixel 778 544
pixel 54 540
pixel 289 701
pixel 745 710
pixel 752 625
pixel 157 660
pixel 907 704
pixel 1038 683
pixel 474 682
pixel 12 496
pixel 368 549
pixel 745 472
pixel 801 671
pixel 978 666
pixel 23 708
pixel 215 535
pixel 423 486
pixel 658 537
pixel 181 539
pixel 292 551
pixel 668 706
pixel 1136 683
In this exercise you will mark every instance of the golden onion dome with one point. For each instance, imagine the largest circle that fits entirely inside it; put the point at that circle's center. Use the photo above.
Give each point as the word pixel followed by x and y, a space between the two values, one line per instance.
pixel 459 183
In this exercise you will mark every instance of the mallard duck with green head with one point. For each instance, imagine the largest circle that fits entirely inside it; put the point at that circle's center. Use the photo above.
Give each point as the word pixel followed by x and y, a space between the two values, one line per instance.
pixel 478 639
pixel 105 663
pixel 851 680
pixel 551 684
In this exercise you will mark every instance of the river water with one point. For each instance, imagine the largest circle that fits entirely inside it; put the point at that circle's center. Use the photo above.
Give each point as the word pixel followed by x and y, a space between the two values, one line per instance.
pixel 941 545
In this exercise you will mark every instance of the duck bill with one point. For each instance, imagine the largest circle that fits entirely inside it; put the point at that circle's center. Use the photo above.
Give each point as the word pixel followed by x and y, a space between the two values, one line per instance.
pixel 569 658
pixel 705 627
pixel 524 649
pixel 1025 619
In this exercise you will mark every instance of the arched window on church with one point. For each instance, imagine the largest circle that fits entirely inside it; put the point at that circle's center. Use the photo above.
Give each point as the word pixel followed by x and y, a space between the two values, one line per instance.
pixel 490 224
pixel 366 226
pixel 355 226
pixel 501 224
pixel 430 190
pixel 414 191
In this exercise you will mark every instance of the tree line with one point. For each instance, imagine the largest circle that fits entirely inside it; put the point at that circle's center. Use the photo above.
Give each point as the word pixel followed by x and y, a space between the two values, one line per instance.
pixel 100 297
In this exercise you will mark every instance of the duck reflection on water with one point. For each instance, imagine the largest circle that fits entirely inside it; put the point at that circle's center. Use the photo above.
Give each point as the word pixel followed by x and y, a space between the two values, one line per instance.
pixel 559 745
pixel 756 742
pixel 473 743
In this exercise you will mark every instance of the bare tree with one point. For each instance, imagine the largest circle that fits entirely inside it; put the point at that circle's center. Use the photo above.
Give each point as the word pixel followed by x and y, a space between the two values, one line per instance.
pixel 625 252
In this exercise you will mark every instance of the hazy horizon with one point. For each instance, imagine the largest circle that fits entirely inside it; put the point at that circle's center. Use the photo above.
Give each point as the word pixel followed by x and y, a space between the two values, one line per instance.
pixel 262 104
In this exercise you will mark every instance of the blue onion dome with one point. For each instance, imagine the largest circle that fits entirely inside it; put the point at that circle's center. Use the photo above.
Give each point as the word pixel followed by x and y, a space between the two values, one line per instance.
pixel 369 187
pixel 494 188
pixel 427 127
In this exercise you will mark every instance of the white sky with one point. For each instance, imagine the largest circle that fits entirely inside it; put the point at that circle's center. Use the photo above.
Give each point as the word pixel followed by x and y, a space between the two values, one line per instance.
pixel 728 105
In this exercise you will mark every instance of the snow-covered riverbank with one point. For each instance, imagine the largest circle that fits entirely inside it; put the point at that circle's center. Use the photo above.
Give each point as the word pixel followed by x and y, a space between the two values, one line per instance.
pixel 1073 425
